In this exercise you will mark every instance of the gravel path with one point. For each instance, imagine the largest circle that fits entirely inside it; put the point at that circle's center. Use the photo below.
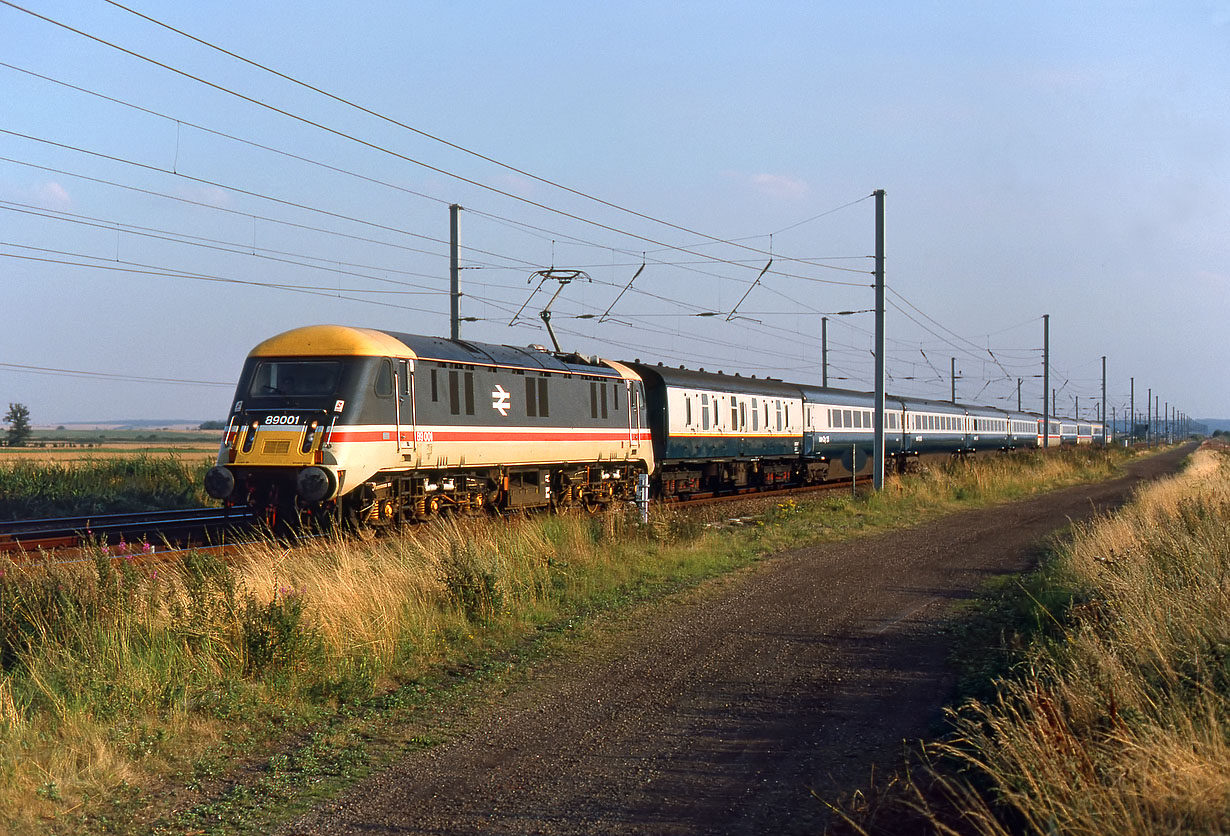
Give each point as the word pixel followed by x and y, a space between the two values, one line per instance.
pixel 722 713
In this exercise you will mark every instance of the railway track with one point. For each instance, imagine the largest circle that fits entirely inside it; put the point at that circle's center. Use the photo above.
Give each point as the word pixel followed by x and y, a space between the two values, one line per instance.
pixel 756 493
pixel 134 533
pixel 149 534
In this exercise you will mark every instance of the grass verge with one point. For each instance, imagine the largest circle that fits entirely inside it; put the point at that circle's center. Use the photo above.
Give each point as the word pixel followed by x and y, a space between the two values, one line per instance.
pixel 36 489
pixel 218 697
pixel 1110 710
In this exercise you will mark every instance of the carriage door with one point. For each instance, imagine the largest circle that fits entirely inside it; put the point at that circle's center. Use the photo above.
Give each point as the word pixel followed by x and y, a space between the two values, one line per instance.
pixel 634 416
pixel 405 406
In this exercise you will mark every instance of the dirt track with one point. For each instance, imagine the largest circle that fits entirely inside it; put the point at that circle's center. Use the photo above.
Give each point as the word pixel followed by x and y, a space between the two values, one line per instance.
pixel 720 714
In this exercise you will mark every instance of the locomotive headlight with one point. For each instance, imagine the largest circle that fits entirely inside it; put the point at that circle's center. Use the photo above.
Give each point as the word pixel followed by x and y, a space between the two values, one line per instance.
pixel 309 435
pixel 250 438
pixel 219 482
pixel 314 484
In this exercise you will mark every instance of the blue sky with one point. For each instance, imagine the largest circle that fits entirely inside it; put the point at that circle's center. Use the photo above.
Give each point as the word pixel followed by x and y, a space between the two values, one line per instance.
pixel 1038 158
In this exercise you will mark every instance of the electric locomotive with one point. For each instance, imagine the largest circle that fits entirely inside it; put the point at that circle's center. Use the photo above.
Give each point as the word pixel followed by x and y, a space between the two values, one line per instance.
pixel 380 427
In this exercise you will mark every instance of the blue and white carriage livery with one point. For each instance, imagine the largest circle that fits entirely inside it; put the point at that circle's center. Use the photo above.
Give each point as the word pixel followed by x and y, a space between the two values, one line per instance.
pixel 987 429
pixel 839 429
pixel 717 431
pixel 1023 430
pixel 934 427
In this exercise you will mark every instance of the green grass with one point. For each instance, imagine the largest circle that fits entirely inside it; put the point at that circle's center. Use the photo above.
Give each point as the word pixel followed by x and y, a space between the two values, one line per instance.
pixel 125 683
pixel 41 489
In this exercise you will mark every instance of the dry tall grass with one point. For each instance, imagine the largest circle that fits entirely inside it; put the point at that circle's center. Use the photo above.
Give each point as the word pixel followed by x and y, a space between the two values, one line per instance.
pixel 1120 723
pixel 118 672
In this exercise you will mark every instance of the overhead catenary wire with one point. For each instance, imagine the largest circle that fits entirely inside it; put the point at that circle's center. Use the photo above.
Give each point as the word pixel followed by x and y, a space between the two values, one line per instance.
pixel 400 124
pixel 365 143
pixel 116 376
pixel 147 270
pixel 715 241
pixel 179 121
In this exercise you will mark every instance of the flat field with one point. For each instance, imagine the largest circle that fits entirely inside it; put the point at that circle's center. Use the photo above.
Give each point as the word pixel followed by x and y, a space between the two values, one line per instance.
pixel 65 446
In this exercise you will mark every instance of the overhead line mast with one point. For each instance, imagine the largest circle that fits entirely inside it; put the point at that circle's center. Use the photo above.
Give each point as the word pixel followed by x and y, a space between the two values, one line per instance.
pixel 877 473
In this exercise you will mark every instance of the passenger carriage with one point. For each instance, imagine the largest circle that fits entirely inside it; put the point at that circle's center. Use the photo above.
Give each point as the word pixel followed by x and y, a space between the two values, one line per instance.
pixel 713 431
pixel 933 427
pixel 986 429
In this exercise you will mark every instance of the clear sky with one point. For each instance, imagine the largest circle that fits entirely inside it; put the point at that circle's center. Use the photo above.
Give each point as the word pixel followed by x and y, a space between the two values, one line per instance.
pixel 1058 158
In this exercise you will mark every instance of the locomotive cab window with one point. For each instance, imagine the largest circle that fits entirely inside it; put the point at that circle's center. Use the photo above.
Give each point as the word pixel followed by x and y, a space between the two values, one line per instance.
pixel 384 379
pixel 296 378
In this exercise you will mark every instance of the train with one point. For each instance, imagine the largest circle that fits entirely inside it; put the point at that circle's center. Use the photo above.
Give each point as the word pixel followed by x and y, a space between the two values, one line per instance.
pixel 334 423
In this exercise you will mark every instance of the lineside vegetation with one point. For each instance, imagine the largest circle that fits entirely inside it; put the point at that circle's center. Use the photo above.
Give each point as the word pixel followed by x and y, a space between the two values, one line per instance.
pixel 1113 713
pixel 124 683
pixel 40 489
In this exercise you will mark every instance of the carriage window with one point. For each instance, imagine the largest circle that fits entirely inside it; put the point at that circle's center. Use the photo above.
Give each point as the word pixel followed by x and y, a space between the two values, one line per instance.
pixel 704 412
pixel 847 418
pixel 734 413
pixel 743 416
pixel 687 410
pixel 755 417
pixel 858 419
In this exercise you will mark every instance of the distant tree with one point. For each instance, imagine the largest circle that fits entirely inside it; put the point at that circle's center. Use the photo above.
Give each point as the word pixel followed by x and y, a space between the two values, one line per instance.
pixel 212 425
pixel 18 419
